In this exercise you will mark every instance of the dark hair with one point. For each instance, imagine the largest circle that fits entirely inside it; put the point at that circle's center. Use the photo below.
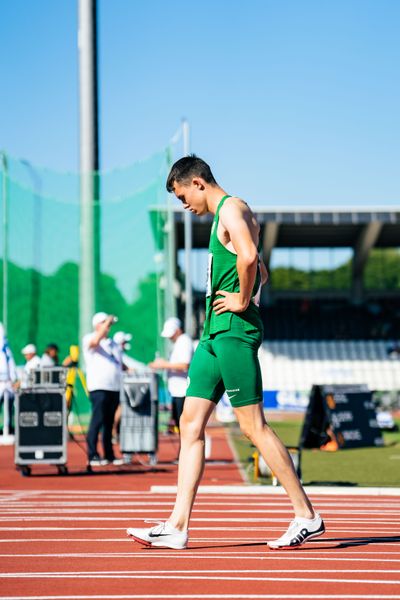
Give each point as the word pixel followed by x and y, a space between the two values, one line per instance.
pixel 52 347
pixel 188 167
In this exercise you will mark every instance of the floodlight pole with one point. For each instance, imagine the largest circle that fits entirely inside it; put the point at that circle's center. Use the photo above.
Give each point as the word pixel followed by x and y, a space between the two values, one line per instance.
pixel 89 164
pixel 4 165
pixel 170 303
pixel 188 243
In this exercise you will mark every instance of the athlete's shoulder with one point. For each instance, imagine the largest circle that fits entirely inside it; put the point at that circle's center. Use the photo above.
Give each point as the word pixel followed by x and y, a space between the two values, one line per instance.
pixel 237 214
pixel 235 208
pixel 236 201
pixel 234 204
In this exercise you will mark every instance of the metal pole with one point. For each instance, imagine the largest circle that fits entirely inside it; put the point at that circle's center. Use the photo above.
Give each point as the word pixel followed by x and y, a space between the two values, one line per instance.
pixel 188 244
pixel 89 163
pixel 36 252
pixel 170 304
pixel 4 164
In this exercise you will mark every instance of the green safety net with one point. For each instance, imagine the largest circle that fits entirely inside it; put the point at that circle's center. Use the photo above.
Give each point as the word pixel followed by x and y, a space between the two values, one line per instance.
pixel 43 247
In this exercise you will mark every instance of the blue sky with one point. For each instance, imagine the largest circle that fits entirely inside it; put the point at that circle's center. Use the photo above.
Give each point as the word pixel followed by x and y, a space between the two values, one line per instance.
pixel 293 102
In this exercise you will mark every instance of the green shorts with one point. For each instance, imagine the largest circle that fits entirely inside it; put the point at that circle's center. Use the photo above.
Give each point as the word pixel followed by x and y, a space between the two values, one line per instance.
pixel 228 362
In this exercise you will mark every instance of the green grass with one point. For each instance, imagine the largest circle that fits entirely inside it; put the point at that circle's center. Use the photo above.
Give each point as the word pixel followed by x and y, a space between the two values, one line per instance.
pixel 363 467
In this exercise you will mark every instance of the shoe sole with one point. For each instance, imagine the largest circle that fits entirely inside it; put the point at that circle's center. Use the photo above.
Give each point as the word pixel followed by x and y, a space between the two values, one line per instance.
pixel 309 537
pixel 154 544
pixel 139 540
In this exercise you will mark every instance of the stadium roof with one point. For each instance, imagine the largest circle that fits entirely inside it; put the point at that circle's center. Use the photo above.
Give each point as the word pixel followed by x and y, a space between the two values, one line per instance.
pixel 310 227
pixel 359 228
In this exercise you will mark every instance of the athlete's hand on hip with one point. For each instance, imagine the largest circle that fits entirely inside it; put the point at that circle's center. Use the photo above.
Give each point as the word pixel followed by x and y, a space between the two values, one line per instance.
pixel 230 302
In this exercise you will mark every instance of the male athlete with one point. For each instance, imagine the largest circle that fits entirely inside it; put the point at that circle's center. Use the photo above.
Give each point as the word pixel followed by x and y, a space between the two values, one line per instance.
pixel 226 358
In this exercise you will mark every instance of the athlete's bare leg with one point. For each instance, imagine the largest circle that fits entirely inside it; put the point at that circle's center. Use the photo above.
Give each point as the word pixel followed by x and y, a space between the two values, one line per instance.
pixel 253 424
pixel 196 413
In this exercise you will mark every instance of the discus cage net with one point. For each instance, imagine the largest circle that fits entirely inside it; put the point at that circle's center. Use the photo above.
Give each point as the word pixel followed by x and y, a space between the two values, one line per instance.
pixel 40 248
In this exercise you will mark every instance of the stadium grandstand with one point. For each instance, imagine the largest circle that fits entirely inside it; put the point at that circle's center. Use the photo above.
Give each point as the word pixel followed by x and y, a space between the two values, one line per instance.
pixel 334 316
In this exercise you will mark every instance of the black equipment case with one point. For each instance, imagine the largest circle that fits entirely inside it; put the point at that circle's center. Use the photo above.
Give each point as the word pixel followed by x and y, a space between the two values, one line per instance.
pixel 41 421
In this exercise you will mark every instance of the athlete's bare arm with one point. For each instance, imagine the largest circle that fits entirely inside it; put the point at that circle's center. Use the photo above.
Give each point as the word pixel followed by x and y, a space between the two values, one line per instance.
pixel 238 230
pixel 254 227
pixel 102 332
pixel 161 363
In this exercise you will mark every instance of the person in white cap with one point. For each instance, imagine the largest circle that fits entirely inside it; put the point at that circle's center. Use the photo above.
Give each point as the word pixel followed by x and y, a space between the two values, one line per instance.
pixel 133 366
pixel 31 357
pixel 103 377
pixel 178 364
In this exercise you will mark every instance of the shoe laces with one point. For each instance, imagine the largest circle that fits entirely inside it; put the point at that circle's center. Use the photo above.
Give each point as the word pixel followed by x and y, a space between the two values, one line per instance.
pixel 159 528
pixel 292 526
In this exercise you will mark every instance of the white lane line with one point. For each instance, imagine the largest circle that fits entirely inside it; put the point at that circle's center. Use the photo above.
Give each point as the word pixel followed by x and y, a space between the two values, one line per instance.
pixel 331 507
pixel 223 491
pixel 281 497
pixel 349 534
pixel 62 528
pixel 73 510
pixel 218 500
pixel 199 503
pixel 155 500
pixel 377 514
pixel 212 597
pixel 214 540
pixel 276 491
pixel 84 493
pixel 186 571
pixel 231 507
pixel 16 497
pixel 212 578
pixel 21 492
pixel 186 556
pixel 348 530
pixel 126 539
pixel 374 524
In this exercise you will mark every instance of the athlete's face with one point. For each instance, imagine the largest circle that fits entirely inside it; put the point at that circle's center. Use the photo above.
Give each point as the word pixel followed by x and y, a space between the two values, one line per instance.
pixel 192 196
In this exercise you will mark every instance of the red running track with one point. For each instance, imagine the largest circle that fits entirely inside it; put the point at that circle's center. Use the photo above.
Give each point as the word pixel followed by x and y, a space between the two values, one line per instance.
pixel 64 537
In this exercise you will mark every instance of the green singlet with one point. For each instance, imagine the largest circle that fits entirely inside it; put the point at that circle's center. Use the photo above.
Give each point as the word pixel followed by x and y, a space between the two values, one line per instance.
pixel 226 357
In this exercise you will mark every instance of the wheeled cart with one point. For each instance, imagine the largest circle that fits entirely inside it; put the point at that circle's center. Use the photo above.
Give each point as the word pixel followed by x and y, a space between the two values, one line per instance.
pixel 139 417
pixel 41 422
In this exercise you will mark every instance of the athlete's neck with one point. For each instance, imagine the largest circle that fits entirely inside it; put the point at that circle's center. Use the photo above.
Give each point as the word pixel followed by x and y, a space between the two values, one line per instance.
pixel 214 197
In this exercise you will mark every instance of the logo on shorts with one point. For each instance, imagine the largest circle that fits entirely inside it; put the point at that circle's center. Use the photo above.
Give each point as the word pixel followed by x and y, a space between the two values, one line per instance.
pixel 235 393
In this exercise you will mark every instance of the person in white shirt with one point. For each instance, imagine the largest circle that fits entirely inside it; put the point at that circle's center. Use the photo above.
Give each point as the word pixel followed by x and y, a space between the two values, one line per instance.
pixel 103 377
pixel 8 378
pixel 31 357
pixel 177 366
pixel 50 356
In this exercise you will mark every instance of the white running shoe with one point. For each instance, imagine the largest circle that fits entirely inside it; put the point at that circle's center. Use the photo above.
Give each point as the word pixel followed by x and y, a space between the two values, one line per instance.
pixel 96 461
pixel 114 461
pixel 163 535
pixel 300 531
